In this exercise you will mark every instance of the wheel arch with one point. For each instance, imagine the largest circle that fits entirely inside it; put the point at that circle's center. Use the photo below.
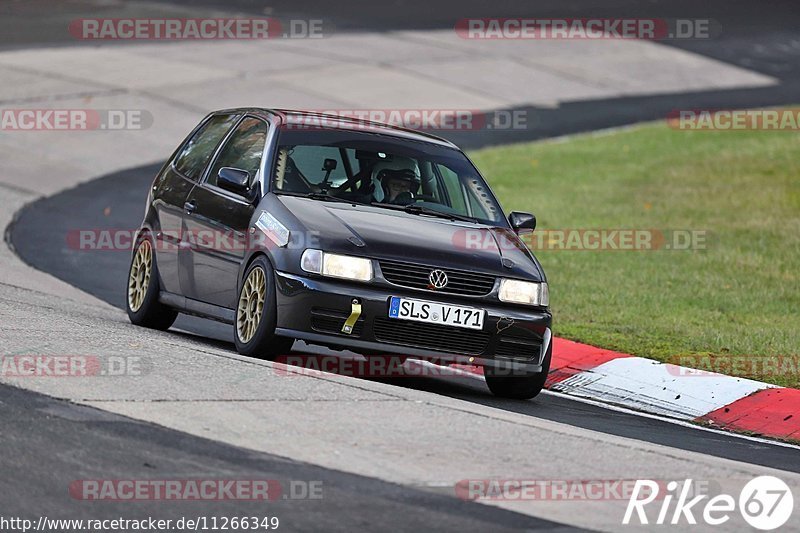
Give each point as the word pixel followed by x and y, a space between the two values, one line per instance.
pixel 246 265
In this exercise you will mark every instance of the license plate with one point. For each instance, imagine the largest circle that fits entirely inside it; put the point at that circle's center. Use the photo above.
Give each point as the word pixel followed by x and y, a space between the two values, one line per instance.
pixel 436 313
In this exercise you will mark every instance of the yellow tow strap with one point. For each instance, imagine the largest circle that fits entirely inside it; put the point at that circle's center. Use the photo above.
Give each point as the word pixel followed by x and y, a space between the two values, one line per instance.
pixel 351 320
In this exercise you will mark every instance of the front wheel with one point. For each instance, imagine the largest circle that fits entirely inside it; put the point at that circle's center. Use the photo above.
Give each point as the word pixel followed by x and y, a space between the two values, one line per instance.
pixel 254 330
pixel 517 387
pixel 142 303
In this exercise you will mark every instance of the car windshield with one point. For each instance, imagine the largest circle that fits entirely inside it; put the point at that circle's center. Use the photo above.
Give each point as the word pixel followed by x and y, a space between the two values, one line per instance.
pixel 384 171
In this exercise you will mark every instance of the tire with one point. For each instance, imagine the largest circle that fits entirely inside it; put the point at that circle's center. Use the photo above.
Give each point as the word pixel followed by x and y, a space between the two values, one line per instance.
pixel 141 300
pixel 518 387
pixel 254 331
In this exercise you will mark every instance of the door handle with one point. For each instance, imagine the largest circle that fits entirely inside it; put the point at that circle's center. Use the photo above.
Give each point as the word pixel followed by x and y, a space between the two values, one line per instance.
pixel 190 206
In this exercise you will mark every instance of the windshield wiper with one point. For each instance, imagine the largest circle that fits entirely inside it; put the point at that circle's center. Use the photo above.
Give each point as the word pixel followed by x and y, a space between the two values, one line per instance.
pixel 324 197
pixel 423 210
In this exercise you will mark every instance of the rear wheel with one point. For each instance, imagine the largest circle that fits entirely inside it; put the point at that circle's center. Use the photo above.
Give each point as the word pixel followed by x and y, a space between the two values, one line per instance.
pixel 142 303
pixel 254 330
pixel 517 387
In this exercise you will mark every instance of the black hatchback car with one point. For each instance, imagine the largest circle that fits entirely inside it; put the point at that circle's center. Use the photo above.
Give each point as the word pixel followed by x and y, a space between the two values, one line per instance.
pixel 345 233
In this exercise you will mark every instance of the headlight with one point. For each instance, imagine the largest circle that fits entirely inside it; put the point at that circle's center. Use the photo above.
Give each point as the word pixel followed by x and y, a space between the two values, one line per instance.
pixel 336 266
pixel 524 292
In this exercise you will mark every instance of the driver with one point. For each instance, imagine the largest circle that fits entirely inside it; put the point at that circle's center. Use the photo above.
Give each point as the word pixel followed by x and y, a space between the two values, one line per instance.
pixel 378 189
pixel 399 186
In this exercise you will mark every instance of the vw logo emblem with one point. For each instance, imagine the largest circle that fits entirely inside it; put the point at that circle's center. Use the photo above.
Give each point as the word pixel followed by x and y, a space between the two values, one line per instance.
pixel 438 279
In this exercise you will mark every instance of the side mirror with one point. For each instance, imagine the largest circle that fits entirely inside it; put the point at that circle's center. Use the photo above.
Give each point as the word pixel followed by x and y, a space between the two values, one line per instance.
pixel 234 180
pixel 520 221
pixel 329 164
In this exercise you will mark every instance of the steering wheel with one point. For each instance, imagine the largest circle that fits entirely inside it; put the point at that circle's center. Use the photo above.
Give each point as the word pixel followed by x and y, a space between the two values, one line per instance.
pixel 404 198
pixel 426 198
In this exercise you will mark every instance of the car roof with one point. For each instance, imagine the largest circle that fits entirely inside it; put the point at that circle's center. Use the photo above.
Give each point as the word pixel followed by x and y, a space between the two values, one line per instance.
pixel 294 116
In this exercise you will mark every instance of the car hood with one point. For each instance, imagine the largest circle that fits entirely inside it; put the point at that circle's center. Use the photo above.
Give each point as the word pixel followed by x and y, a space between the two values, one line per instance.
pixel 382 233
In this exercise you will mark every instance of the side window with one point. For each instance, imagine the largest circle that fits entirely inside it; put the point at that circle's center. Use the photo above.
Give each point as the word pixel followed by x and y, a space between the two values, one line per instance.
pixel 195 155
pixel 477 209
pixel 243 149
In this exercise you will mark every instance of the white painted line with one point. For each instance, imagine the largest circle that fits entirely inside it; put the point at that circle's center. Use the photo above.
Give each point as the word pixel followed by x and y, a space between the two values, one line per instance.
pixel 647 385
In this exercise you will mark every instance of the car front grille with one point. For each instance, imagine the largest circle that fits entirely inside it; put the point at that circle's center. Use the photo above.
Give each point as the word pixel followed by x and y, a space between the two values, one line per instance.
pixel 434 337
pixel 415 276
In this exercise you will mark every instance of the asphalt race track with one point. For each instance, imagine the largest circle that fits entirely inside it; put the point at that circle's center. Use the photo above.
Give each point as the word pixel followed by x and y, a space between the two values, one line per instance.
pixel 51 223
pixel 206 412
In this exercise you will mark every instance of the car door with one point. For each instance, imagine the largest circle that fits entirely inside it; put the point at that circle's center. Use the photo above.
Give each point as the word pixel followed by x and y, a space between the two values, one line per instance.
pixel 173 186
pixel 219 219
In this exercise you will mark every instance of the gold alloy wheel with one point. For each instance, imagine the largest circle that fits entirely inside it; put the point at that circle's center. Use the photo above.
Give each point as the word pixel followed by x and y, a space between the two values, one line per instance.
pixel 139 280
pixel 251 305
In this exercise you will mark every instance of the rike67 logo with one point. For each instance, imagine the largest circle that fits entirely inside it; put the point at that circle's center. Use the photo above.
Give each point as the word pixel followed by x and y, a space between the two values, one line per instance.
pixel 765 503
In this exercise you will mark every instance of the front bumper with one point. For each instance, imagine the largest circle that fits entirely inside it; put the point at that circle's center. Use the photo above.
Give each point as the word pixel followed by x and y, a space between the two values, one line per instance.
pixel 315 309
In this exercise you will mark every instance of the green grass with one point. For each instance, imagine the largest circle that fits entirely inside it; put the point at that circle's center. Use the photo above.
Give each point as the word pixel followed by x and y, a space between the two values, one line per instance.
pixel 733 307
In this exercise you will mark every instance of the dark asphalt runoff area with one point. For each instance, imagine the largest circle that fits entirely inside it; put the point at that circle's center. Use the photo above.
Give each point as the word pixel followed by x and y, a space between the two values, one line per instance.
pixel 51 445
